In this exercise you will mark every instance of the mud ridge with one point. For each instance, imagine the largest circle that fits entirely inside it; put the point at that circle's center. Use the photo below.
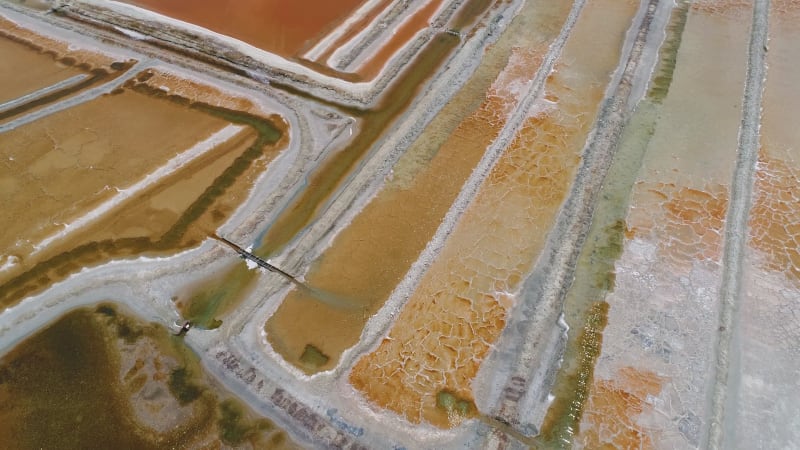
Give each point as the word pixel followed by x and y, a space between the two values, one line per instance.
pixel 530 372
pixel 721 422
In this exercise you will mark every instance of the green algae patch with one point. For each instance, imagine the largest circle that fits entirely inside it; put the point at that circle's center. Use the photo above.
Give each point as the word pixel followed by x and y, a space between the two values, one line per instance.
pixel 452 404
pixel 80 383
pixel 183 387
pixel 564 416
pixel 606 253
pixel 668 54
pixel 232 431
pixel 454 407
pixel 59 390
pixel 595 277
pixel 236 428
pixel 313 357
pixel 212 298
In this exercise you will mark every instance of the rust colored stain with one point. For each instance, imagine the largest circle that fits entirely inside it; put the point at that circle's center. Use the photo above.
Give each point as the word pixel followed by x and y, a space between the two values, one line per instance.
pixel 785 10
pixel 459 310
pixel 613 408
pixel 775 217
pixel 277 26
pixel 724 8
pixel 402 36
pixel 688 223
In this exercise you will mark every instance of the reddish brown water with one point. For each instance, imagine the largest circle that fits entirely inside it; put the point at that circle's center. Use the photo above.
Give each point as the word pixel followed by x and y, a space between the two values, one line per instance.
pixel 277 26
pixel 354 29
pixel 402 35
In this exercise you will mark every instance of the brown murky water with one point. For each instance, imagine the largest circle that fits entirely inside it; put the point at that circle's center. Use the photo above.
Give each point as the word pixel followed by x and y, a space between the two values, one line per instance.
pixel 177 210
pixel 471 12
pixel 281 27
pixel 40 70
pixel 397 97
pixel 322 182
pixel 58 50
pixel 460 306
pixel 393 229
pixel 76 159
pixel 99 377
pixel 57 70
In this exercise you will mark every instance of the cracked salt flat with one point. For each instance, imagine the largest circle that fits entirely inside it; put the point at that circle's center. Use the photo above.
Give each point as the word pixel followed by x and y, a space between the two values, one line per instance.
pixel 651 378
pixel 459 301
pixel 674 247
pixel 397 224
